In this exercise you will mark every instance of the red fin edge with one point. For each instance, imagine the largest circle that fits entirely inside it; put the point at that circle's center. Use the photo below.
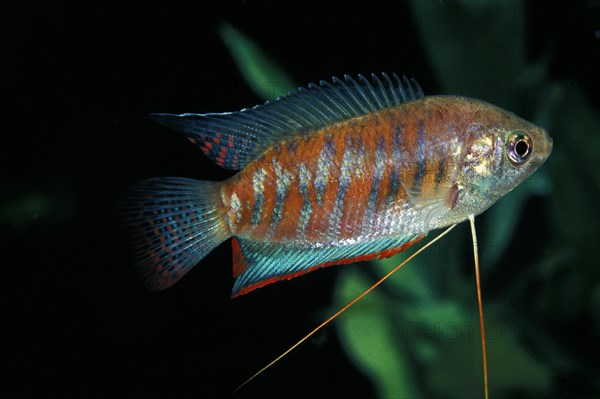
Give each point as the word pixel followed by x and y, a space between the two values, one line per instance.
pixel 240 265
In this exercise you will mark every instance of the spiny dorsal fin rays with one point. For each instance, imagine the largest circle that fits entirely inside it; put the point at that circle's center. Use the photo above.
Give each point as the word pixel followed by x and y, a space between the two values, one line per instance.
pixel 319 90
pixel 366 90
pixel 317 113
pixel 352 94
pixel 382 89
pixel 377 91
pixel 394 93
pixel 234 139
pixel 341 97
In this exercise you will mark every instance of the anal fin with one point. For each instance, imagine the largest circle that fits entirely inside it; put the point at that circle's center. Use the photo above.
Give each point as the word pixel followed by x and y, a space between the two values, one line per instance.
pixel 257 264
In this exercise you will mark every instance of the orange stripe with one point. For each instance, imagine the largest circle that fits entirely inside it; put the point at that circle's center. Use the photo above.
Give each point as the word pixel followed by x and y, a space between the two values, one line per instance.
pixel 357 195
pixel 286 228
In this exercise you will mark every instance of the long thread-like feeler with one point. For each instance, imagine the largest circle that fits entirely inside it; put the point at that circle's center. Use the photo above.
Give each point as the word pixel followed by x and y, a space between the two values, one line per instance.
pixel 480 303
pixel 342 310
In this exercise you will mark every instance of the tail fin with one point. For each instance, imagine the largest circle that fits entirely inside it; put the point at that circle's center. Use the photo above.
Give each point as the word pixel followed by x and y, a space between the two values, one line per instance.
pixel 174 223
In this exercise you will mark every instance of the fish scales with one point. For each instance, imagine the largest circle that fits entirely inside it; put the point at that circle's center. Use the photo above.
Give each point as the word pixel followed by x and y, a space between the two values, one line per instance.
pixel 334 173
pixel 353 171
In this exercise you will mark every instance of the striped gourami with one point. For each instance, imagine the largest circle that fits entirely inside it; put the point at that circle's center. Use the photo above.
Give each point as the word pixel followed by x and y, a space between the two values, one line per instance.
pixel 334 173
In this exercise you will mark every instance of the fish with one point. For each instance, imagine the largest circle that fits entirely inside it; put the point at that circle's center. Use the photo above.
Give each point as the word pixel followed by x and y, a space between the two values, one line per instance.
pixel 334 173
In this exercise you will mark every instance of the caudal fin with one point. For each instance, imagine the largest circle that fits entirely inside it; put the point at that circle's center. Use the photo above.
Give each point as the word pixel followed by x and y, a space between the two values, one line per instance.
pixel 174 223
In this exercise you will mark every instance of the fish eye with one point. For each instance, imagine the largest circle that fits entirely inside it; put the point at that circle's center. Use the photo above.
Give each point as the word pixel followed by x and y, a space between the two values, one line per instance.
pixel 519 148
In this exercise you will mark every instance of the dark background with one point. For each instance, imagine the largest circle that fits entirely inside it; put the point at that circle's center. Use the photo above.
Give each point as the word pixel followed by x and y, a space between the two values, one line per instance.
pixel 79 82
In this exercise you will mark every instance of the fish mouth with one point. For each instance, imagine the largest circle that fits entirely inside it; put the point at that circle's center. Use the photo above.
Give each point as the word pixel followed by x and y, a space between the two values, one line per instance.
pixel 549 143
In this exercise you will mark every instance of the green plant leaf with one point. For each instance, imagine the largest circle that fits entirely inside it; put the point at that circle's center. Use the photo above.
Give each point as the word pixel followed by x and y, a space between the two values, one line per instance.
pixel 367 336
pixel 503 218
pixel 262 74
pixel 475 47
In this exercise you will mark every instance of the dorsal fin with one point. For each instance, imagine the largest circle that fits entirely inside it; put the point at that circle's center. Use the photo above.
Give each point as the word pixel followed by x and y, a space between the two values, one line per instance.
pixel 233 139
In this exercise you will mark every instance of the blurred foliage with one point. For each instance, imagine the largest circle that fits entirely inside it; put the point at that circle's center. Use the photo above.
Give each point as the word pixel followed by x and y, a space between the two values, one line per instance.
pixel 264 77
pixel 25 210
pixel 22 210
pixel 418 334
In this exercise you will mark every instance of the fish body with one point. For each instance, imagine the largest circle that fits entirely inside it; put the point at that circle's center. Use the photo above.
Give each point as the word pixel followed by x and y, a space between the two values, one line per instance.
pixel 331 174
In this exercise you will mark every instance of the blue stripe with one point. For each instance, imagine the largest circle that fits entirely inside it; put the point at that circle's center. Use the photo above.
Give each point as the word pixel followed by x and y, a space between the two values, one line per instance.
pixel 282 182
pixel 441 172
pixel 352 164
pixel 420 157
pixel 380 158
pixel 258 186
pixel 306 211
pixel 324 164
pixel 397 163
